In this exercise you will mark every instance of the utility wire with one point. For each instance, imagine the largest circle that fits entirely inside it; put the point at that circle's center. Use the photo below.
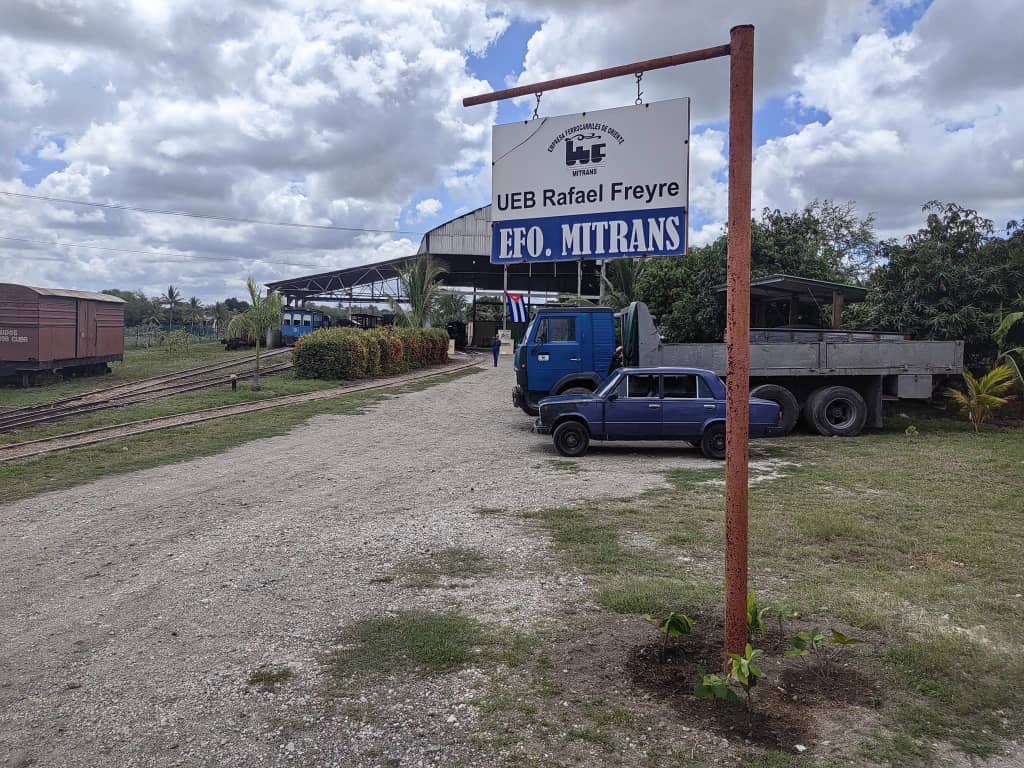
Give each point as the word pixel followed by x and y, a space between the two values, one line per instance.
pixel 191 215
pixel 181 257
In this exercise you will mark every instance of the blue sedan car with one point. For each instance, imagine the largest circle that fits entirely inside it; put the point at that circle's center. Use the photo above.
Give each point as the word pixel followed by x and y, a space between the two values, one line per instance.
pixel 650 404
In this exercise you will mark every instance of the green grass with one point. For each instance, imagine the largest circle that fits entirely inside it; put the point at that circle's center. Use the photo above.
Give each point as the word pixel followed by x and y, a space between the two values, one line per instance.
pixel 269 677
pixel 565 466
pixel 21 479
pixel 137 364
pixel 451 563
pixel 656 595
pixel 910 540
pixel 422 642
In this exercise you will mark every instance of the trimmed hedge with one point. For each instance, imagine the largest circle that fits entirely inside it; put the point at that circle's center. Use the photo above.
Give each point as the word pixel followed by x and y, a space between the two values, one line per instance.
pixel 351 353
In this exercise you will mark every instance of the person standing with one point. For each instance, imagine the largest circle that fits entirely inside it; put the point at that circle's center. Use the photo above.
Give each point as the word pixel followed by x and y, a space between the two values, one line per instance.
pixel 496 348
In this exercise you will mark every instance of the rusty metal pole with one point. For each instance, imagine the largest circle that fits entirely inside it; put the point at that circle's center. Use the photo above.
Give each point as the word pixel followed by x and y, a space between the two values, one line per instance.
pixel 737 418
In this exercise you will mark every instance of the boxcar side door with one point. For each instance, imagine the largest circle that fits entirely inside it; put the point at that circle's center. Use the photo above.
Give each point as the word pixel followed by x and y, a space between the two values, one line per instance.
pixel 86 346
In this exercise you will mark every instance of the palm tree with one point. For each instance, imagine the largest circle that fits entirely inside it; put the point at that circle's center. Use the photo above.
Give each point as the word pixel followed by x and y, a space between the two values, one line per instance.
pixel 622 282
pixel 984 396
pixel 420 283
pixel 264 313
pixel 172 299
pixel 1012 329
pixel 194 312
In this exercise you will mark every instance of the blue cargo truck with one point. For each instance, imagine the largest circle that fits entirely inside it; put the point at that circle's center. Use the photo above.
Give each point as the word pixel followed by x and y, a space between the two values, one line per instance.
pixel 837 380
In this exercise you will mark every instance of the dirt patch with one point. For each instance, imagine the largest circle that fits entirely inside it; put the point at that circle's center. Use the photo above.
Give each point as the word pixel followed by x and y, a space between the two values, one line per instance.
pixel 831 683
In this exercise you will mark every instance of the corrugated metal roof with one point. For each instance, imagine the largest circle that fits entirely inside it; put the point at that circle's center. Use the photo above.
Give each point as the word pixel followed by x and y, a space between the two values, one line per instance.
pixel 789 285
pixel 69 294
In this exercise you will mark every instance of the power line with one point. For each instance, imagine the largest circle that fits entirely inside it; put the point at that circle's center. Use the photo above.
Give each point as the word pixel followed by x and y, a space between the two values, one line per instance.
pixel 192 215
pixel 181 257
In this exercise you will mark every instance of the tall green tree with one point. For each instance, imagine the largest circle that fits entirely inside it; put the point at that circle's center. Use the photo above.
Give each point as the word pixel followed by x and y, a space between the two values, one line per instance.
pixel 172 299
pixel 449 306
pixel 622 281
pixel 949 280
pixel 824 241
pixel 194 313
pixel 264 313
pixel 1010 338
pixel 420 284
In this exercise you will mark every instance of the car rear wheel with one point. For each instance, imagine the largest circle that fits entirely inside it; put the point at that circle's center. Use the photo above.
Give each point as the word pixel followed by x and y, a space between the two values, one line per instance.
pixel 789 408
pixel 836 411
pixel 571 439
pixel 712 442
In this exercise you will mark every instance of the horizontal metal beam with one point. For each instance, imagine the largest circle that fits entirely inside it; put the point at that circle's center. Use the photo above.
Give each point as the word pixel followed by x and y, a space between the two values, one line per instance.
pixel 601 74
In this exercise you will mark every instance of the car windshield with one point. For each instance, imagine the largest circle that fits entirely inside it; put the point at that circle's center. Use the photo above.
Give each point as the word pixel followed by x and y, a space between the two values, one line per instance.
pixel 608 385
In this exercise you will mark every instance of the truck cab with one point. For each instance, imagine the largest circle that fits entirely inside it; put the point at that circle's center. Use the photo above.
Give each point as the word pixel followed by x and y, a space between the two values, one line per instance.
pixel 565 350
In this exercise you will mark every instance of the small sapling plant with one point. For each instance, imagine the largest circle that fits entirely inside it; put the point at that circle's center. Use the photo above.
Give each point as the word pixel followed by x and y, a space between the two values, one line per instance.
pixel 755 616
pixel 673 626
pixel 806 643
pixel 744 670
pixel 714 687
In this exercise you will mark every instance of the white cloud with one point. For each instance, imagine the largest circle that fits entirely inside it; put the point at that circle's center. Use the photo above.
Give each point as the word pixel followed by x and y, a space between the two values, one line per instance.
pixel 294 111
pixel 428 207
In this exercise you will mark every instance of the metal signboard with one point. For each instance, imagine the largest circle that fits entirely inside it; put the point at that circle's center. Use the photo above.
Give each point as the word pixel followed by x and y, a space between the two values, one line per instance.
pixel 593 185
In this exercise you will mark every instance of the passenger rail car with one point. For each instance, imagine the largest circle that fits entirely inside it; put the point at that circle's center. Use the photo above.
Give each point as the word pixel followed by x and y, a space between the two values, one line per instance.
pixel 298 321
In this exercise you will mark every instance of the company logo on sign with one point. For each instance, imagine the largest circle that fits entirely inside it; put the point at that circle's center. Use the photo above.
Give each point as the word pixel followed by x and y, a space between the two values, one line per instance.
pixel 585 146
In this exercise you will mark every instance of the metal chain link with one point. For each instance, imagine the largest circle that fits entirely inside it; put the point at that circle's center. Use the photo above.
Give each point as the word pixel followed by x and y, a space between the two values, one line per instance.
pixel 639 93
pixel 537 105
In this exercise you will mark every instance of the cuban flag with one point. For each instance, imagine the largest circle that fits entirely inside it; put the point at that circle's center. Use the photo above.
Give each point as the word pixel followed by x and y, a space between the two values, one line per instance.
pixel 517 308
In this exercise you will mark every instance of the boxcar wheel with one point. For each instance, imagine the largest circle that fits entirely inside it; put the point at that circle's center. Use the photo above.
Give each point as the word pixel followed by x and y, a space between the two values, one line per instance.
pixel 712 442
pixel 571 439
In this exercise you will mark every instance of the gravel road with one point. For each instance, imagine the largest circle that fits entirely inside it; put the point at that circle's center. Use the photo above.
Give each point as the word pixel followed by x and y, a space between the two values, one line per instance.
pixel 133 609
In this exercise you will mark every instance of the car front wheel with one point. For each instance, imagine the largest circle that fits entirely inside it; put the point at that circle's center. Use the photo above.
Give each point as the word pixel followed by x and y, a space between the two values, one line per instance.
pixel 571 439
pixel 712 442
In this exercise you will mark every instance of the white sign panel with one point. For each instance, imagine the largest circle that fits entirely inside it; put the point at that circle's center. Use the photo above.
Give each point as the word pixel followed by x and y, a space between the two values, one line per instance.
pixel 594 185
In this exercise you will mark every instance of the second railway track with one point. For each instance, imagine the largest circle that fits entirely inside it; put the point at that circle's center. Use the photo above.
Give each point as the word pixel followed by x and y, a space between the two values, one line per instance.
pixel 42 446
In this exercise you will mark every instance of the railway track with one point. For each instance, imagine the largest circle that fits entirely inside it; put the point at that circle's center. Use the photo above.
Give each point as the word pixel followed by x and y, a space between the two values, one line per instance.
pixel 46 445
pixel 130 393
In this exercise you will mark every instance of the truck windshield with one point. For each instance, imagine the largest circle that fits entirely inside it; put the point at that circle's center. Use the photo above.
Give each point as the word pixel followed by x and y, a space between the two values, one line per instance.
pixel 528 334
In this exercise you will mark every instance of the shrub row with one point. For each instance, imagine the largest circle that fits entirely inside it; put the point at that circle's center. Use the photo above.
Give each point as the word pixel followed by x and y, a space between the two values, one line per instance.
pixel 350 353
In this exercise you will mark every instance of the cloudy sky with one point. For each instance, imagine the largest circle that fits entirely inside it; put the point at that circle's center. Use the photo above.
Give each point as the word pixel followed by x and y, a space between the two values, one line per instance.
pixel 348 114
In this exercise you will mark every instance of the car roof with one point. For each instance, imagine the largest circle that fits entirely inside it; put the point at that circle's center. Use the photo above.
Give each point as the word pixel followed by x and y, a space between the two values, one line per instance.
pixel 668 370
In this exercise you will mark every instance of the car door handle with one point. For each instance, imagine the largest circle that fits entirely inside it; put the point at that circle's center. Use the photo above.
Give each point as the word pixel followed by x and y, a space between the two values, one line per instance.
pixel 709 407
pixel 653 405
pixel 574 359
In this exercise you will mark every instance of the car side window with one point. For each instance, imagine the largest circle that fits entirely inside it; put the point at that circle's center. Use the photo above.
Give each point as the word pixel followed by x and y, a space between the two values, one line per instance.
pixel 681 387
pixel 641 386
pixel 703 390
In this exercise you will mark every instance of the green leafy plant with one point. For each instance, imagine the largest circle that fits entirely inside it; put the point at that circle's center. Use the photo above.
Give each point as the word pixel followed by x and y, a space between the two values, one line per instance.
pixel 714 687
pixel 983 396
pixel 910 431
pixel 744 670
pixel 755 616
pixel 673 626
pixel 263 314
pixel 806 643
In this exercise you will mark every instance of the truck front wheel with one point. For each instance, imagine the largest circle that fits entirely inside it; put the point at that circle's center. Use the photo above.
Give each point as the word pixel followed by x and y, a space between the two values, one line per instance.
pixel 571 439
pixel 789 408
pixel 836 411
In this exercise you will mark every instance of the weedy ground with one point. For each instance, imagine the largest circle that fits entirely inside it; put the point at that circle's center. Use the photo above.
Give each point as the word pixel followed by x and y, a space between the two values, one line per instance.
pixel 908 541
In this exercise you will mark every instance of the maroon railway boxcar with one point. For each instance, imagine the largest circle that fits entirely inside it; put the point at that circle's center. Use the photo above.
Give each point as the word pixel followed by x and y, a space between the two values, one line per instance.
pixel 66 332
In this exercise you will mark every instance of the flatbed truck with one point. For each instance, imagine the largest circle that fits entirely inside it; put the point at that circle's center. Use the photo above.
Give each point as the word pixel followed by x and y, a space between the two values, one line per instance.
pixel 836 380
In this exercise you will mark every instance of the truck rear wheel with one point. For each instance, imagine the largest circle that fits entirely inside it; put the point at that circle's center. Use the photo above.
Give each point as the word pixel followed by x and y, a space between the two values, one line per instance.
pixel 789 407
pixel 577 390
pixel 571 439
pixel 836 411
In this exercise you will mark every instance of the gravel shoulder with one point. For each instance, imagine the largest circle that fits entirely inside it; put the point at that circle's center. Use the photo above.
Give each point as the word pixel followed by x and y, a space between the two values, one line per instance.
pixel 133 609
